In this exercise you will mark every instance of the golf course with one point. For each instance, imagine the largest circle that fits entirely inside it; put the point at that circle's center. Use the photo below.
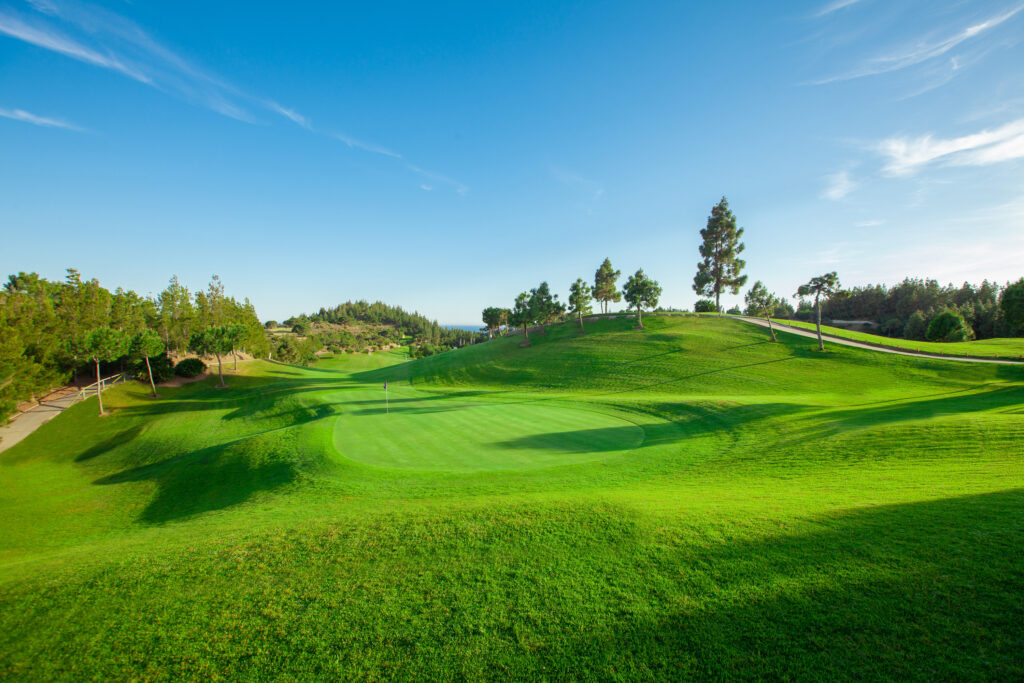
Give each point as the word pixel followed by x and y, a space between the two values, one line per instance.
pixel 683 501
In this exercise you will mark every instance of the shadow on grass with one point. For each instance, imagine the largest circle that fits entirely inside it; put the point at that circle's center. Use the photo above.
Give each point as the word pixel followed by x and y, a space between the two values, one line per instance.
pixel 209 479
pixel 919 591
pixel 119 439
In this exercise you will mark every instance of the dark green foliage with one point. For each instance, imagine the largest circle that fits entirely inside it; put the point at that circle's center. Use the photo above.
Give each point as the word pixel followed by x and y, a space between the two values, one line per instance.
pixel 704 306
pixel 949 326
pixel 545 306
pixel 579 300
pixel 604 290
pixel 189 367
pixel 641 292
pixel 916 327
pixel 163 369
pixel 735 310
pixel 426 349
pixel 881 304
pixel 523 314
pixel 413 325
pixel 1012 305
pixel 821 288
pixel 298 351
pixel 720 266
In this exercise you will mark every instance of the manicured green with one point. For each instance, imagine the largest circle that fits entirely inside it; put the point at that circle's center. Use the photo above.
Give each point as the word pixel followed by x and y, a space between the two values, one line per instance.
pixel 1011 348
pixel 688 501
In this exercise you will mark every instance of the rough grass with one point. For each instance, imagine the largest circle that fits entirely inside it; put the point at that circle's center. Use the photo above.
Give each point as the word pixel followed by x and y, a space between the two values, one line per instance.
pixel 1011 348
pixel 687 501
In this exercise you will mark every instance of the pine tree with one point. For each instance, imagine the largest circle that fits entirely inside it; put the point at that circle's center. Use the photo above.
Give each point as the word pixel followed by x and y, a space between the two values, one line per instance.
pixel 579 300
pixel 719 269
pixel 604 285
pixel 641 292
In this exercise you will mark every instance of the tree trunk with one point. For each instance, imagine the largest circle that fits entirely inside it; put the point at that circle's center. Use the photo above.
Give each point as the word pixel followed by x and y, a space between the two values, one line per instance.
pixel 150 371
pixel 817 305
pixel 235 355
pixel 639 318
pixel 718 307
pixel 581 321
pixel 220 371
pixel 771 329
pixel 99 386
pixel 526 331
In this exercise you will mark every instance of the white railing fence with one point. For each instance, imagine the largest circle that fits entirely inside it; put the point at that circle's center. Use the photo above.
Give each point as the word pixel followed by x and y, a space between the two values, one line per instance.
pixel 103 384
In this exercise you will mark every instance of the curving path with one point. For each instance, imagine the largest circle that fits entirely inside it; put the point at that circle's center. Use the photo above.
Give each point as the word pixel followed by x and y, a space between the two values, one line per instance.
pixel 33 418
pixel 871 347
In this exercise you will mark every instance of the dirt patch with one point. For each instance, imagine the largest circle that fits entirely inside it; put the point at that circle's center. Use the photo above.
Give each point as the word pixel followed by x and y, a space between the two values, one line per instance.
pixel 181 381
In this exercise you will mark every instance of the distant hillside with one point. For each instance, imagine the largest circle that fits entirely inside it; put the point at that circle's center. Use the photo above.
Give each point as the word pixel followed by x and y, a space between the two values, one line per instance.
pixel 360 326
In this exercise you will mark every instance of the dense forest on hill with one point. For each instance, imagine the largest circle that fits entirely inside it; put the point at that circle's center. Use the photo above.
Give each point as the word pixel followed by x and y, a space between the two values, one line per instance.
pixel 361 326
pixel 46 327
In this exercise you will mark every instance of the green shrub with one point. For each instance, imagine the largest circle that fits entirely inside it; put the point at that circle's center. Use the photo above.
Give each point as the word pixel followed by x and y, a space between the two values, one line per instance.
pixel 704 306
pixel 949 326
pixel 735 310
pixel 916 327
pixel 163 369
pixel 190 367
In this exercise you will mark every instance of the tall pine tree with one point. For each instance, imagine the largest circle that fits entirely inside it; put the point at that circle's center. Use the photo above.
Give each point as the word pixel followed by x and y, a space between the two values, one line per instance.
pixel 720 265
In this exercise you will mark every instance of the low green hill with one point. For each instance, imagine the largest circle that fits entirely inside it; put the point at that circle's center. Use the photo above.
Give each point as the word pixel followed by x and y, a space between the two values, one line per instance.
pixel 685 501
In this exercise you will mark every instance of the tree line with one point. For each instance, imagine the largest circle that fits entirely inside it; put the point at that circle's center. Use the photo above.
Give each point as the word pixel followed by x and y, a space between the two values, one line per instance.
pixel 425 336
pixel 53 331
pixel 914 309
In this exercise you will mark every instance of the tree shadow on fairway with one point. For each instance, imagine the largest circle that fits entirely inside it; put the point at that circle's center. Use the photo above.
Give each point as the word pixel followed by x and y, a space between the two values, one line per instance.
pixel 209 479
pixel 687 420
pixel 918 591
pixel 119 439
pixel 1001 400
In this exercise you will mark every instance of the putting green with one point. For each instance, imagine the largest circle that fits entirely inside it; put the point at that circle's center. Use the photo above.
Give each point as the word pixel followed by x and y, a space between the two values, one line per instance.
pixel 436 435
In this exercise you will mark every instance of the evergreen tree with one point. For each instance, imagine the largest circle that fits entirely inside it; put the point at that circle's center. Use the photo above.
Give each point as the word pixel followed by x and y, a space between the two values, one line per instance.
pixel 641 292
pixel 604 285
pixel 103 345
pixel 544 305
pixel 949 326
pixel 720 265
pixel 147 344
pixel 213 341
pixel 579 300
pixel 824 286
pixel 916 326
pixel 762 302
pixel 522 314
pixel 1012 305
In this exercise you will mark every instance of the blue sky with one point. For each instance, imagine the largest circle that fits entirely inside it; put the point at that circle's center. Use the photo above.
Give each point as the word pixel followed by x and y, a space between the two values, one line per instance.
pixel 445 157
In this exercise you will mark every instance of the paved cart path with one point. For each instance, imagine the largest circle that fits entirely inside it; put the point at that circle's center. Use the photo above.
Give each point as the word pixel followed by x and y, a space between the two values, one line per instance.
pixel 29 421
pixel 871 347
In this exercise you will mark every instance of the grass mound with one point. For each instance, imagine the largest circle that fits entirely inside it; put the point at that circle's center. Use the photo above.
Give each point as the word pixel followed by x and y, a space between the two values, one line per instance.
pixel 689 500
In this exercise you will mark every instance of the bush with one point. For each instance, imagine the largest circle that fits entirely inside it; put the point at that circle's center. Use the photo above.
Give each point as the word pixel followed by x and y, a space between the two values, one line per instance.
pixel 163 369
pixel 949 326
pixel 704 306
pixel 190 367
pixel 916 327
pixel 735 310
pixel 892 327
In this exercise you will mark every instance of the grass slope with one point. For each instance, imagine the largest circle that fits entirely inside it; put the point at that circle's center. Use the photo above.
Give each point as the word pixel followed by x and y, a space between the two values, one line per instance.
pixel 1008 348
pixel 684 501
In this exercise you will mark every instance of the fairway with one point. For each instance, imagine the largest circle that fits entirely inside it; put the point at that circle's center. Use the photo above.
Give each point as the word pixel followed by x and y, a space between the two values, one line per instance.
pixel 422 432
pixel 684 501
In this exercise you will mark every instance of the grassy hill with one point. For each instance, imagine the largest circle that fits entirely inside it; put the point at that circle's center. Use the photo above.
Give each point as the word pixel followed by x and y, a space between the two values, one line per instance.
pixel 684 501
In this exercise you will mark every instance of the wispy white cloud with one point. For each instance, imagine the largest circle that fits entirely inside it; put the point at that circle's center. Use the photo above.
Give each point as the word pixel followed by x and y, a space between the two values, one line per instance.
pixel 838 185
pixel 51 40
pixel 873 223
pixel 835 6
pixel 426 188
pixel 366 146
pixel 28 117
pixel 905 155
pixel 110 41
pixel 921 50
